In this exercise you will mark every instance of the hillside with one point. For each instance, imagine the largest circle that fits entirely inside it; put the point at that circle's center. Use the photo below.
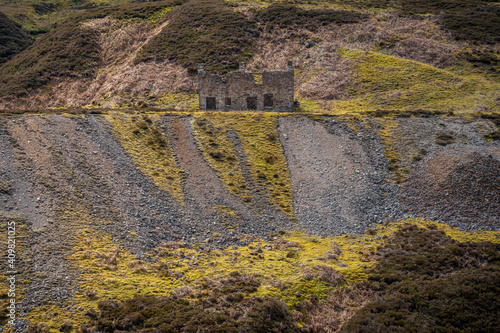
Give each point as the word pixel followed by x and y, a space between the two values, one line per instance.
pixel 372 207
pixel 12 38
pixel 348 56
pixel 284 215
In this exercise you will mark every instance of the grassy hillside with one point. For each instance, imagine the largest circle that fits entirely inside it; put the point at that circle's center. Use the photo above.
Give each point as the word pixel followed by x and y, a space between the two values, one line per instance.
pixel 348 55
pixel 391 279
pixel 70 50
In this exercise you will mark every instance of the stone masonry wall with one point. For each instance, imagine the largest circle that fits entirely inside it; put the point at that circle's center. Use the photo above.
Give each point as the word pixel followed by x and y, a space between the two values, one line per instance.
pixel 231 93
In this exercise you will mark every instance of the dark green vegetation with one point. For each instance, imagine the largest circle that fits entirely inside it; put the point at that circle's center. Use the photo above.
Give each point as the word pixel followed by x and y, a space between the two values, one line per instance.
pixel 205 31
pixel 70 50
pixel 471 20
pixel 223 306
pixel 13 39
pixel 286 16
pixel 427 280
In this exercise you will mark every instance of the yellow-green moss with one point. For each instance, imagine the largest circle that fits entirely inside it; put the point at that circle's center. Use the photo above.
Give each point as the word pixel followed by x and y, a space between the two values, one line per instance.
pixel 144 141
pixel 287 267
pixel 211 135
pixel 261 146
pixel 391 136
pixel 179 101
pixel 387 82
pixel 226 210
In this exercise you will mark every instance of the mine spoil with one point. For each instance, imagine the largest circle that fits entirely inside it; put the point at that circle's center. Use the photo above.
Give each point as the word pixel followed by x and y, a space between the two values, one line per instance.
pixel 460 186
pixel 63 174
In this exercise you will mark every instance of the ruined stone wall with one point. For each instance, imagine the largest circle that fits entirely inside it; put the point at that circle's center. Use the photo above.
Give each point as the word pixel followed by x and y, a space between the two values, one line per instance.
pixel 239 91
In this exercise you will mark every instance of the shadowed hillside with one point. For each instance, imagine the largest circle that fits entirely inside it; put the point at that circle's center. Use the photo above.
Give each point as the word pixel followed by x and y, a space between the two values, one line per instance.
pixel 13 39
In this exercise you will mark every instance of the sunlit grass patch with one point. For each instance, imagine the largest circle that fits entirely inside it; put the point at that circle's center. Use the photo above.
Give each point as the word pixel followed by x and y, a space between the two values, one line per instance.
pixel 178 101
pixel 291 267
pixel 144 141
pixel 260 144
pixel 391 135
pixel 220 152
pixel 389 82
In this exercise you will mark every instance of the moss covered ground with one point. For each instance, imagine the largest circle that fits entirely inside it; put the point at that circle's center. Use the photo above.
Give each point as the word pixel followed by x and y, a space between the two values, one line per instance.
pixel 218 135
pixel 291 268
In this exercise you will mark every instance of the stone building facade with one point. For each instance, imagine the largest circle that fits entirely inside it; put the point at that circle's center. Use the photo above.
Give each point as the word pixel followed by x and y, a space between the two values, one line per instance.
pixel 241 90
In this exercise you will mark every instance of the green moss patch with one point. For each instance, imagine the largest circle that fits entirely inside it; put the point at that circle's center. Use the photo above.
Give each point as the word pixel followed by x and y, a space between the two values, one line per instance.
pixel 385 82
pixel 203 31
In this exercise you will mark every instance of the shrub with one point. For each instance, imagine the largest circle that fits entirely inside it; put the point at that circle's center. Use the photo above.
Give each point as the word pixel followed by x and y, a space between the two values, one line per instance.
pixel 425 279
pixel 203 31
pixel 472 20
pixel 286 16
pixel 13 39
pixel 227 309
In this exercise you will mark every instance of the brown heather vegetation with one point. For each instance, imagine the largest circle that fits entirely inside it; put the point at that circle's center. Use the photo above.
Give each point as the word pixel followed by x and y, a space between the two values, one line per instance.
pixel 427 280
pixel 205 31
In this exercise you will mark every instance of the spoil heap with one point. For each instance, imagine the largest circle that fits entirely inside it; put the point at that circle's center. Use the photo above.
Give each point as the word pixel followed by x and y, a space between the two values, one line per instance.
pixel 459 186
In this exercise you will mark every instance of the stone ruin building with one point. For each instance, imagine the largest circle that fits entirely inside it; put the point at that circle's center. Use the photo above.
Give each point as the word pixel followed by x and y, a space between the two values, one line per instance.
pixel 241 90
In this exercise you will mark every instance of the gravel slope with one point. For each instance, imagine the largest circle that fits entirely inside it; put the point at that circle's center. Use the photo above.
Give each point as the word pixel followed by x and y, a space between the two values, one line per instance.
pixel 65 174
pixel 337 178
pixel 459 185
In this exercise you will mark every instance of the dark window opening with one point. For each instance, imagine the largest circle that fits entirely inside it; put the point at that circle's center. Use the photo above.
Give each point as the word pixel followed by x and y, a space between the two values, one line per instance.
pixel 228 101
pixel 268 101
pixel 211 105
pixel 251 103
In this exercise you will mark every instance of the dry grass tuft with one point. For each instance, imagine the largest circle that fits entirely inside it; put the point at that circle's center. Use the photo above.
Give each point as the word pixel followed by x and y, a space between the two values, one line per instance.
pixel 329 275
pixel 338 308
